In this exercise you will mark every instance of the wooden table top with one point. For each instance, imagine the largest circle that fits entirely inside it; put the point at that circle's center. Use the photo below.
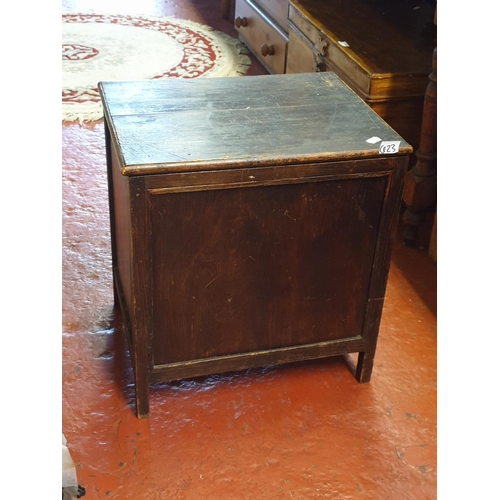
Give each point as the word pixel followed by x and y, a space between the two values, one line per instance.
pixel 175 125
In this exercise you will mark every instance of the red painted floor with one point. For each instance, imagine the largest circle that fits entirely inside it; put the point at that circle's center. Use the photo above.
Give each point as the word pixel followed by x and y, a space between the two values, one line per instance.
pixel 303 431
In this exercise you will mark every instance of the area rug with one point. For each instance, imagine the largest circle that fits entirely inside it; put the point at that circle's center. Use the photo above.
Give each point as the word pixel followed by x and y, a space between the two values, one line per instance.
pixel 106 47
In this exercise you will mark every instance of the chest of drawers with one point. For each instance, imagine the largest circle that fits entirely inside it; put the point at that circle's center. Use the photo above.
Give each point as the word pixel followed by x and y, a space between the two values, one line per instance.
pixel 262 26
pixel 381 49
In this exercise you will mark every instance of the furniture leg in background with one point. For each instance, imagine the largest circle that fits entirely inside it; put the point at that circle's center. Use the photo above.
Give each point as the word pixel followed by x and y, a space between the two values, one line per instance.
pixel 420 191
pixel 225 6
pixel 433 243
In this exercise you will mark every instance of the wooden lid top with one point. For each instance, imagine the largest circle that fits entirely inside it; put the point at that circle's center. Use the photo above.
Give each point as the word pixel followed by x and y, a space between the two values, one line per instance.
pixel 175 125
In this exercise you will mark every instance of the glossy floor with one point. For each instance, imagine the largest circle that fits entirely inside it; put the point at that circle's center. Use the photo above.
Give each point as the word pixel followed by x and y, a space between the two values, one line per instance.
pixel 303 431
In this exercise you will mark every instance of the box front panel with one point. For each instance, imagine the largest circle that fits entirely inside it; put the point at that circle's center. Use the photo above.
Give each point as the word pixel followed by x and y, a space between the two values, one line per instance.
pixel 249 269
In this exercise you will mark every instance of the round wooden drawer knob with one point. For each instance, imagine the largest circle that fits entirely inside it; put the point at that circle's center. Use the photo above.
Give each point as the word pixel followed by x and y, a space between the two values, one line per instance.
pixel 266 50
pixel 241 22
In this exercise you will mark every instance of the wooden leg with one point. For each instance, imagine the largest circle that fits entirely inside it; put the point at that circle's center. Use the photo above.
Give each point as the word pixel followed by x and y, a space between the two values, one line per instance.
pixel 364 367
pixel 138 357
pixel 362 370
pixel 141 398
pixel 141 321
pixel 420 184
pixel 225 5
pixel 141 377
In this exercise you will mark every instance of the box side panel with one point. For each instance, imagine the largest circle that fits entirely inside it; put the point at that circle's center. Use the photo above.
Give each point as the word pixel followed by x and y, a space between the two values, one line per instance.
pixel 122 229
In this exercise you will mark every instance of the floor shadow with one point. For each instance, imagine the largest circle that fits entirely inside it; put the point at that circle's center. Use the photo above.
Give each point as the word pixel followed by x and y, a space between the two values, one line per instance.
pixel 122 365
pixel 246 376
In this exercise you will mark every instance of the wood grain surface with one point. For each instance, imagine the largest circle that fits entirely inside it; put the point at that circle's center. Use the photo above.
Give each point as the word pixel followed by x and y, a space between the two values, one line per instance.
pixel 189 125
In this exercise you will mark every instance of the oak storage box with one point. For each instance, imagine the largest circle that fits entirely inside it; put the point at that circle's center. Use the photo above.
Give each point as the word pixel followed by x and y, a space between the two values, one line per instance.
pixel 251 222
pixel 382 49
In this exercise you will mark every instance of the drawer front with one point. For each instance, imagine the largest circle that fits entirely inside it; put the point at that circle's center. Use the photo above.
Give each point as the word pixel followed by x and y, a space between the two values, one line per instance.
pixel 264 38
pixel 302 58
pixel 277 10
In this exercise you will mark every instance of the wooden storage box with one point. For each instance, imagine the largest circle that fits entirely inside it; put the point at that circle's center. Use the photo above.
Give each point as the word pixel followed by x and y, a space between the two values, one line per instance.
pixel 250 222
pixel 381 49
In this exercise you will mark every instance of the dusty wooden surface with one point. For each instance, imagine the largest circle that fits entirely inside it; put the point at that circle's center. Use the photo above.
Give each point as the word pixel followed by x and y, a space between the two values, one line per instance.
pixel 174 125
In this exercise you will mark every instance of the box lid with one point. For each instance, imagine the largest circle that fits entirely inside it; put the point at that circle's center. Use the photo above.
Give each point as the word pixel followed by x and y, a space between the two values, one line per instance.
pixel 176 125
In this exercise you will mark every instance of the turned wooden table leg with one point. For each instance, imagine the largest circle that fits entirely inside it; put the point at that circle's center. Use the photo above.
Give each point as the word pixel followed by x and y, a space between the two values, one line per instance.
pixel 420 184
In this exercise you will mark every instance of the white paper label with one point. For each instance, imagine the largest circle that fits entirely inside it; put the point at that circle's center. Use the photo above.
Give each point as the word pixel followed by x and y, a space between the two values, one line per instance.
pixel 389 147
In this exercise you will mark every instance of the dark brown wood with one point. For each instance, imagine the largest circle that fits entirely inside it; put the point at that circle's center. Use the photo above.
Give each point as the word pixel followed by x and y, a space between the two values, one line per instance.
pixel 380 271
pixel 279 283
pixel 268 112
pixel 141 303
pixel 109 148
pixel 270 357
pixel 251 222
pixel 225 8
pixel 381 49
pixel 420 191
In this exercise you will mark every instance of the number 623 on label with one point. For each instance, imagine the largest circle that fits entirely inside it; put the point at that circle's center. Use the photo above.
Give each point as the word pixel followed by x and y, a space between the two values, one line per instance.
pixel 389 147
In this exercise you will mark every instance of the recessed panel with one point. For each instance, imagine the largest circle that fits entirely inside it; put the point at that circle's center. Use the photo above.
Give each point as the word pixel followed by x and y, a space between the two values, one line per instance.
pixel 250 269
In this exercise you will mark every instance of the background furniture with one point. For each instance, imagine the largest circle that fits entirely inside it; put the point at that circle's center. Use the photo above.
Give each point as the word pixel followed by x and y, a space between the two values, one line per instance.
pixel 251 222
pixel 420 193
pixel 262 26
pixel 382 50
pixel 225 8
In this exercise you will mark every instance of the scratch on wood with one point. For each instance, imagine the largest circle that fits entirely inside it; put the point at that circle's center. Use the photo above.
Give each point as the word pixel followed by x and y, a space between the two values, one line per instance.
pixel 210 282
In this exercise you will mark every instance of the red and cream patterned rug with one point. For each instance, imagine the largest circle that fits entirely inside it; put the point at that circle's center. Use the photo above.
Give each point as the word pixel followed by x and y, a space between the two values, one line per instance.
pixel 106 47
